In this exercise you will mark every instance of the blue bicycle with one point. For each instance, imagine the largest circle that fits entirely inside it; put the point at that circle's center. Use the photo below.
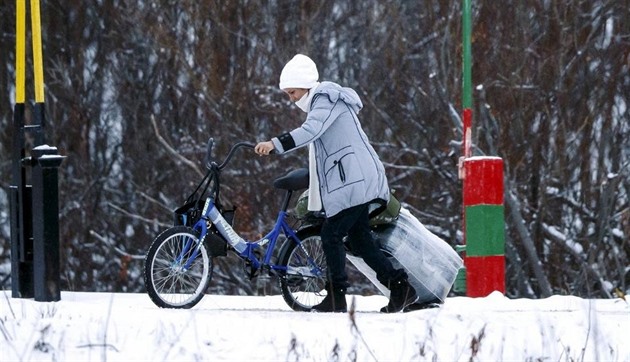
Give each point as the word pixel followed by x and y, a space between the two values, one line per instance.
pixel 179 262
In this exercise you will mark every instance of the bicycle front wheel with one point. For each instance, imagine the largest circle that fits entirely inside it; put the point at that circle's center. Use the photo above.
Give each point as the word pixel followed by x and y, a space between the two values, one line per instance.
pixel 303 284
pixel 174 274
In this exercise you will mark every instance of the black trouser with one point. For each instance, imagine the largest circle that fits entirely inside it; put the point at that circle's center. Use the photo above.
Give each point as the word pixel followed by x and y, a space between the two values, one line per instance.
pixel 354 222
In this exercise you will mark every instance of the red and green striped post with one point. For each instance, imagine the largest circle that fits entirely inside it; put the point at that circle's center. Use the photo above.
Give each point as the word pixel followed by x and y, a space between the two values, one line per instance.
pixel 484 233
pixel 484 226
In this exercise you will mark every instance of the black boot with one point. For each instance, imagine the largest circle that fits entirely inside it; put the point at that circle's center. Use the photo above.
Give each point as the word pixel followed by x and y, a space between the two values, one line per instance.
pixel 335 301
pixel 402 294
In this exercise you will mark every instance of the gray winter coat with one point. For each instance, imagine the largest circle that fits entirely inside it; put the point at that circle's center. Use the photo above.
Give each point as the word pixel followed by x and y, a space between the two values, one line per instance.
pixel 349 171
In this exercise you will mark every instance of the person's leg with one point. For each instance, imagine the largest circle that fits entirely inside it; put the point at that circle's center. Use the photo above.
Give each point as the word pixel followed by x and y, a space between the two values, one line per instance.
pixel 362 242
pixel 364 245
pixel 333 231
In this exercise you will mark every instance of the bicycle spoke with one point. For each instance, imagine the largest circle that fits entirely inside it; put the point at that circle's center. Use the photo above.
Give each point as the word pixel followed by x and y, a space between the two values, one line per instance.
pixel 168 282
pixel 304 280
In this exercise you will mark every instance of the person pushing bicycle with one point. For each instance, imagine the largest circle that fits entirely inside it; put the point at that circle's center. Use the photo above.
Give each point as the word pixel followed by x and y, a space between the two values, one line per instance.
pixel 347 180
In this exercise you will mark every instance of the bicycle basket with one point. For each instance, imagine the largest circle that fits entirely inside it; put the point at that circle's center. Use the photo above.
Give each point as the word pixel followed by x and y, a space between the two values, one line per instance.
pixel 217 244
pixel 189 213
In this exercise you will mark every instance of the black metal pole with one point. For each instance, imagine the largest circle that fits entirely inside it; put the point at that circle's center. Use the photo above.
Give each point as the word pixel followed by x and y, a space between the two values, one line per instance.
pixel 20 208
pixel 46 256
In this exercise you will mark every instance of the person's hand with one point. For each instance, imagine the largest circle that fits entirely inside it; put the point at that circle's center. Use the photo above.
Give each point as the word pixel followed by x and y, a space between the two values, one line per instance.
pixel 264 148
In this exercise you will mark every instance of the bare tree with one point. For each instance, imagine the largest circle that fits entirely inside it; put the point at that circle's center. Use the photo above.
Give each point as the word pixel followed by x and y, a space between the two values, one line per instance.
pixel 134 92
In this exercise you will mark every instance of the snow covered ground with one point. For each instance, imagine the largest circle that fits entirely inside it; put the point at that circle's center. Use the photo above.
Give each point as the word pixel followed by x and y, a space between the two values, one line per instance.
pixel 128 327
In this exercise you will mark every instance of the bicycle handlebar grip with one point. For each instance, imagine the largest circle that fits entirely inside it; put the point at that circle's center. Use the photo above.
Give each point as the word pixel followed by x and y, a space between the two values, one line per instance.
pixel 209 152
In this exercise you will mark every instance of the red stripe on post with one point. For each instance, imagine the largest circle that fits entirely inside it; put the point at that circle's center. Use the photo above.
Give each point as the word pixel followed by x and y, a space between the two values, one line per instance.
pixel 466 145
pixel 484 275
pixel 483 181
pixel 467 113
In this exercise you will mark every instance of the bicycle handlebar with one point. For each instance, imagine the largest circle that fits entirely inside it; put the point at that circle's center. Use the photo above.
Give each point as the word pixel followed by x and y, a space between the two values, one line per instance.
pixel 209 162
pixel 233 150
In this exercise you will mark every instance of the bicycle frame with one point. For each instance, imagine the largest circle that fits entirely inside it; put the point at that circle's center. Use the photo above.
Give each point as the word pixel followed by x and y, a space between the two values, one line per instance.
pixel 245 249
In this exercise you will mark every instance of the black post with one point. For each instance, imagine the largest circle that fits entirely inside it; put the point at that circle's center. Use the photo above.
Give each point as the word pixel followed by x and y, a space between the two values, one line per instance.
pixel 21 242
pixel 46 257
pixel 20 207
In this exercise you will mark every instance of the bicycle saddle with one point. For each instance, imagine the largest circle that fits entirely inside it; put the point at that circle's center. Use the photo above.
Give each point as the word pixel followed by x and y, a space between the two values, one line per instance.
pixel 293 181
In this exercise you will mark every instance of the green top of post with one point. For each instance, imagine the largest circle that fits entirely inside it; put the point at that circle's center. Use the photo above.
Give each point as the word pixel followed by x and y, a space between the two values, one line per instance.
pixel 467 55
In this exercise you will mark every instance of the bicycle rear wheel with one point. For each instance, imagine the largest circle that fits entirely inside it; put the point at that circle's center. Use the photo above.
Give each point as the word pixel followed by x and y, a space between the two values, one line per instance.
pixel 172 279
pixel 303 285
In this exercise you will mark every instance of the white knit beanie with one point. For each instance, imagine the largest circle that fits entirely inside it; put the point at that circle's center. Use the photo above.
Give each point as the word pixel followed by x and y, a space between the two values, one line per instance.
pixel 299 72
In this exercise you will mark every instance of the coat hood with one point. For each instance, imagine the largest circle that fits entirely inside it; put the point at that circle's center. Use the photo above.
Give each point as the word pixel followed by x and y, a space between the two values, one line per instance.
pixel 334 92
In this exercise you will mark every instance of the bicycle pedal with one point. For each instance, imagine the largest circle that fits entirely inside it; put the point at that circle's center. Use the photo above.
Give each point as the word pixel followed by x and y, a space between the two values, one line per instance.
pixel 249 270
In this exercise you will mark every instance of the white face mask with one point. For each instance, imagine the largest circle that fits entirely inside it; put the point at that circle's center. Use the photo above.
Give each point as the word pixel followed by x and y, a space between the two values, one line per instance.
pixel 304 103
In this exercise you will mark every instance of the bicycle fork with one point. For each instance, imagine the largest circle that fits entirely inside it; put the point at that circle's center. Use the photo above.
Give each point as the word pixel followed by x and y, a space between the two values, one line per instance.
pixel 309 269
pixel 190 243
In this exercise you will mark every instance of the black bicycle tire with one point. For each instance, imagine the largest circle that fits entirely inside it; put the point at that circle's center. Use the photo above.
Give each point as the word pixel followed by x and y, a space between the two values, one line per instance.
pixel 150 269
pixel 305 302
